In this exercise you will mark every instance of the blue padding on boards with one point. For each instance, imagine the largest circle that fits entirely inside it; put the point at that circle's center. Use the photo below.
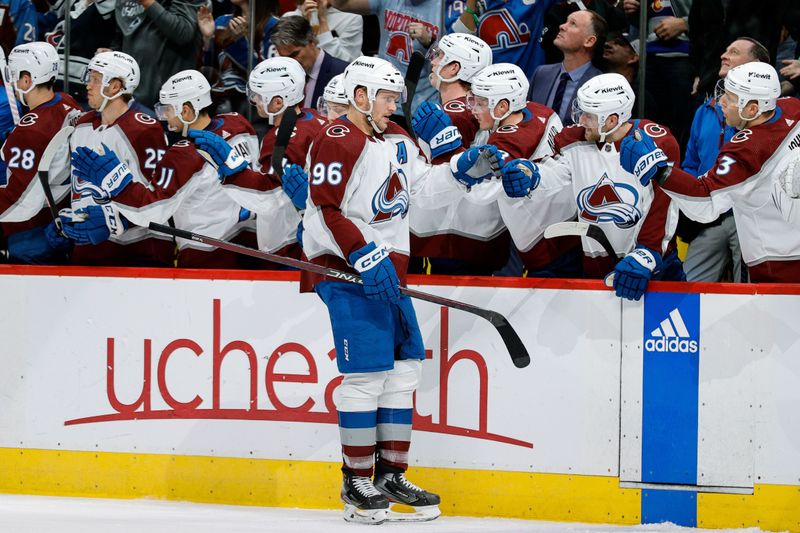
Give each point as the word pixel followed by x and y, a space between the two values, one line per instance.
pixel 676 506
pixel 670 388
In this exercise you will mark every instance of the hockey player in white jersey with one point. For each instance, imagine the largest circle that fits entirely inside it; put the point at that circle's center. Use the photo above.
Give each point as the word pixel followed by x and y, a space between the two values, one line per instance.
pixel 138 140
pixel 638 220
pixel 365 171
pixel 747 174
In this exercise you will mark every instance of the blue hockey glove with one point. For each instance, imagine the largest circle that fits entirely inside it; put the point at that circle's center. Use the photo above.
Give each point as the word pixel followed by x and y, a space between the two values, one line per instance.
pixel 431 124
pixel 377 271
pixel 639 155
pixel 476 164
pixel 103 176
pixel 634 271
pixel 55 239
pixel 228 160
pixel 295 184
pixel 93 224
pixel 520 177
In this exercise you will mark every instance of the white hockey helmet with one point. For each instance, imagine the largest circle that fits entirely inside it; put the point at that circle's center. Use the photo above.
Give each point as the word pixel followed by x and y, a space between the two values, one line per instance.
pixel 39 59
pixel 113 65
pixel 603 96
pixel 276 76
pixel 469 51
pixel 374 74
pixel 333 94
pixel 754 81
pixel 185 87
pixel 498 82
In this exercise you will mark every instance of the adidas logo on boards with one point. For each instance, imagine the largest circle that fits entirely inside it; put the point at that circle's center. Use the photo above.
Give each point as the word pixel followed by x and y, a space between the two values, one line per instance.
pixel 671 336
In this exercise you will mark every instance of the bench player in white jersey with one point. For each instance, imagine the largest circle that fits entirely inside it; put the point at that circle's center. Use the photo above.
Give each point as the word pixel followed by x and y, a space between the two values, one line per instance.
pixel 25 219
pixel 746 174
pixel 638 220
pixel 184 185
pixel 275 85
pixel 467 238
pixel 333 103
pixel 139 141
pixel 365 171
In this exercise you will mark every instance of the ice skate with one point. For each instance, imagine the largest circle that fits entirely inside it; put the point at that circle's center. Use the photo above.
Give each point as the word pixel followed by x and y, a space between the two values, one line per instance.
pixel 362 502
pixel 406 496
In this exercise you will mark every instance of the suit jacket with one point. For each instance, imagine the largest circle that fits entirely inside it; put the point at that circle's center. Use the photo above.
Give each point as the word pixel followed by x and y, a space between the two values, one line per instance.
pixel 544 80
pixel 330 67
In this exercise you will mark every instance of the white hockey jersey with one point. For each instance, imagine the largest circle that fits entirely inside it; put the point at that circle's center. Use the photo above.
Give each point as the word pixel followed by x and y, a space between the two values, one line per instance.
pixel 604 194
pixel 744 178
pixel 361 188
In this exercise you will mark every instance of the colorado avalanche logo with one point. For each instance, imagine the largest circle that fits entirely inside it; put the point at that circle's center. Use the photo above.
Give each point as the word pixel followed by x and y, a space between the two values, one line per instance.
pixel 399 46
pixel 455 106
pixel 392 198
pixel 500 31
pixel 607 201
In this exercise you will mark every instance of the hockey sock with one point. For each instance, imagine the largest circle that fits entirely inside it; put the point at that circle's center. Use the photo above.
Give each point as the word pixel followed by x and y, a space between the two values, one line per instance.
pixel 394 439
pixel 357 432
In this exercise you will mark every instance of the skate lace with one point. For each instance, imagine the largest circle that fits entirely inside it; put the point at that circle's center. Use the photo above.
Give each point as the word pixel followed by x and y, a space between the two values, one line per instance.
pixel 365 487
pixel 406 483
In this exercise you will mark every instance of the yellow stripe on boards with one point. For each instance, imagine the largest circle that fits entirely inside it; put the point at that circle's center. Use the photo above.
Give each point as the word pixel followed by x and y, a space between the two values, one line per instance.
pixel 771 507
pixel 307 484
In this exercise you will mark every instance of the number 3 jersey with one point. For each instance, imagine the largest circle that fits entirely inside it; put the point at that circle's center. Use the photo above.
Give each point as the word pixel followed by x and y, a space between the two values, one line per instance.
pixel 22 201
pixel 139 141
pixel 361 189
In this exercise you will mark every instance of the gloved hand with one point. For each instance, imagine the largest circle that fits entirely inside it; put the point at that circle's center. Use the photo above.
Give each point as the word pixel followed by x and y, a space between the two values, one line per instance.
pixel 520 177
pixel 93 224
pixel 377 272
pixel 431 124
pixel 634 271
pixel 295 184
pixel 228 160
pixel 790 179
pixel 476 164
pixel 639 155
pixel 103 176
pixel 55 239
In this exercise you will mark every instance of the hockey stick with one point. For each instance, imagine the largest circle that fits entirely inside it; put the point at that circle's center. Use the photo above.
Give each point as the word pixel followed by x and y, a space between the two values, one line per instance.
pixel 516 349
pixel 584 229
pixel 282 139
pixel 43 170
pixel 413 72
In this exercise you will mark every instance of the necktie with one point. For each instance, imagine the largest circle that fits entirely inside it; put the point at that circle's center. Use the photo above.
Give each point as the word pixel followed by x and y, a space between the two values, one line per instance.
pixel 559 97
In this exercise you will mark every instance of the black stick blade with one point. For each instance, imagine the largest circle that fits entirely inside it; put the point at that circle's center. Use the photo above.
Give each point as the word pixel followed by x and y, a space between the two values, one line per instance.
pixel 514 345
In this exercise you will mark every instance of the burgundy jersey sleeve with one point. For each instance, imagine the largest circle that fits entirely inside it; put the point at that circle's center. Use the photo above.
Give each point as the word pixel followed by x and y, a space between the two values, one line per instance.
pixel 148 142
pixel 569 135
pixel 333 159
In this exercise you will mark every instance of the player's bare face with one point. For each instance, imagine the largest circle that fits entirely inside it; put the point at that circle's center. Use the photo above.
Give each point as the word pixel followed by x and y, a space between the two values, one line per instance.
pixel 479 107
pixel 734 117
pixel 94 85
pixel 334 110
pixel 384 106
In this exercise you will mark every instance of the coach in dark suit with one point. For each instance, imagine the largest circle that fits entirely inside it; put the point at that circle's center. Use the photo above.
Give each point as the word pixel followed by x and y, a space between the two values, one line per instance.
pixel 293 37
pixel 556 85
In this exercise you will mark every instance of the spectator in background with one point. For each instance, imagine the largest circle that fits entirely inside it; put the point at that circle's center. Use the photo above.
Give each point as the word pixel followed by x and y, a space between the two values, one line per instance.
pixel 406 26
pixel 19 23
pixel 610 10
pixel 621 56
pixel 716 244
pixel 162 36
pixel 294 38
pixel 713 24
pixel 92 27
pixel 787 53
pixel 338 33
pixel 556 85
pixel 231 47
pixel 669 71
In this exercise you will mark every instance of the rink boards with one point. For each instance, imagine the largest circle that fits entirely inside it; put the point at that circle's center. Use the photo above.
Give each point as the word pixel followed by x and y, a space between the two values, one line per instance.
pixel 217 387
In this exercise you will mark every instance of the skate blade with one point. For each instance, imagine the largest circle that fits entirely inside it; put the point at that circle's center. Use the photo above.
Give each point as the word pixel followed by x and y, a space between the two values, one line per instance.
pixel 364 516
pixel 406 513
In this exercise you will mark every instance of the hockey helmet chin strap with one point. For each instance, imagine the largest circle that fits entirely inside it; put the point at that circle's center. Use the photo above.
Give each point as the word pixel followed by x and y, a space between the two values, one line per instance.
pixel 22 93
pixel 106 98
pixel 604 134
pixel 497 120
pixel 368 114
pixel 185 130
